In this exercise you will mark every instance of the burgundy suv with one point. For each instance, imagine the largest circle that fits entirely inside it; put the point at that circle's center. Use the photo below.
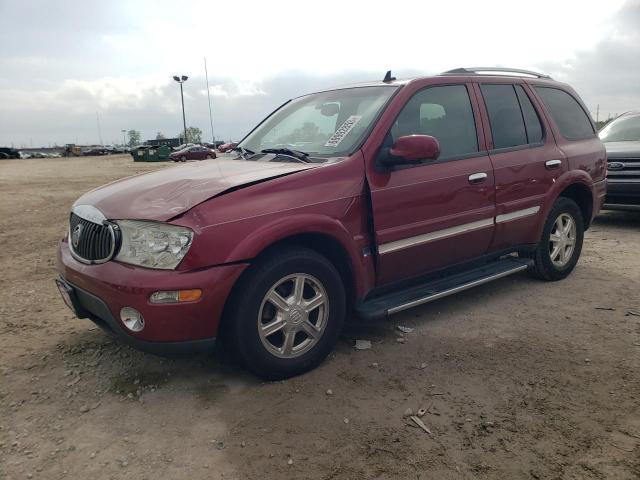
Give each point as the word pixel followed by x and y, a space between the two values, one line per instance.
pixel 372 199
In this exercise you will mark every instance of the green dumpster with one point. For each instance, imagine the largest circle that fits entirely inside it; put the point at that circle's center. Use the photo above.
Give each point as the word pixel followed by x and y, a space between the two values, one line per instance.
pixel 140 154
pixel 150 154
pixel 163 153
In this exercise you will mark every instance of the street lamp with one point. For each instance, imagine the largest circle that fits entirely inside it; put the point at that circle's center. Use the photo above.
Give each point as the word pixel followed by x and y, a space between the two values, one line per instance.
pixel 181 80
pixel 124 142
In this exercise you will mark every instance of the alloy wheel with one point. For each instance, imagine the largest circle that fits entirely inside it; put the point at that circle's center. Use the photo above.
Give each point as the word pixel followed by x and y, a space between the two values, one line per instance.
pixel 562 240
pixel 293 315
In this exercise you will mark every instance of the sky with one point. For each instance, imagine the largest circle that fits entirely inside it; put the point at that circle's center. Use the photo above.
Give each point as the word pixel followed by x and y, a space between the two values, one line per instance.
pixel 66 66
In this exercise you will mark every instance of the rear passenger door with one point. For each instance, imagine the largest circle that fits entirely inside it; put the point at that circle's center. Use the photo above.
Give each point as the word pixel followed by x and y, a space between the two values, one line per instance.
pixel 525 158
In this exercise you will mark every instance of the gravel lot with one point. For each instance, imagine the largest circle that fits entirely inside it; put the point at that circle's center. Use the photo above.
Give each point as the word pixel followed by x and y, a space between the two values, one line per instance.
pixel 520 379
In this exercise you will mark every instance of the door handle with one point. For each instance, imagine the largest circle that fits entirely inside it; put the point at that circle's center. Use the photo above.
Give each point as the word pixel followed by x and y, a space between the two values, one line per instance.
pixel 553 164
pixel 477 178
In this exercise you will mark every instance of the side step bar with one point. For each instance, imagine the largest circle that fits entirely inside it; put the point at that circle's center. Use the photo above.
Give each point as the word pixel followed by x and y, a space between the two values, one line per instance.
pixel 393 302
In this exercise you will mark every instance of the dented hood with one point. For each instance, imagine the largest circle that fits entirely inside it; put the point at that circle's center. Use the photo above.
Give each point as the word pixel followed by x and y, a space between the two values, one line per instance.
pixel 165 193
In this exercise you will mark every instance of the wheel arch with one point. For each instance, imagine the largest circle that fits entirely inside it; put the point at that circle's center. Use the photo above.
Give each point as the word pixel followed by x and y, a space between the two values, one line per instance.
pixel 582 195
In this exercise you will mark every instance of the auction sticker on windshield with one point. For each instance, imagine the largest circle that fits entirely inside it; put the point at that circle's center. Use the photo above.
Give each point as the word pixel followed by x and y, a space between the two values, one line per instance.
pixel 343 131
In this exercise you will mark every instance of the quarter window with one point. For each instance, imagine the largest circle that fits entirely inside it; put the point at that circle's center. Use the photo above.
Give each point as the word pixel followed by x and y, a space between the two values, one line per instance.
pixel 443 112
pixel 571 119
pixel 531 119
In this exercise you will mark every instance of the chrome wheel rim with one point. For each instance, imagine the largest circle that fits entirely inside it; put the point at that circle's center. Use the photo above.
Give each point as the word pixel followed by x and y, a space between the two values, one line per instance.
pixel 293 315
pixel 562 241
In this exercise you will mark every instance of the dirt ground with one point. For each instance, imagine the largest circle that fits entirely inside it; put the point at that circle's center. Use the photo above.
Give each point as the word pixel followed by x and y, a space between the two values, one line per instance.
pixel 520 378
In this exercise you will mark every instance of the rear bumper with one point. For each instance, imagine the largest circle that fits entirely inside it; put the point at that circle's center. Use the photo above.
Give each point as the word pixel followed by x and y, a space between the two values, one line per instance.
pixel 103 290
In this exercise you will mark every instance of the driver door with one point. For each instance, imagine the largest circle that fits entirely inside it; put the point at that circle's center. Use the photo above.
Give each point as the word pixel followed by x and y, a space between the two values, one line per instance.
pixel 439 212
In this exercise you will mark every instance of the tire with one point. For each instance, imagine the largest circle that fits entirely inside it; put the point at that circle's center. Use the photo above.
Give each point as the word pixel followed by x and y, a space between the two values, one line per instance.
pixel 268 355
pixel 208 157
pixel 548 263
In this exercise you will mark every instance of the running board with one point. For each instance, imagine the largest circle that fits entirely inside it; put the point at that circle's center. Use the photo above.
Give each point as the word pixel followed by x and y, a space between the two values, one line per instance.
pixel 393 302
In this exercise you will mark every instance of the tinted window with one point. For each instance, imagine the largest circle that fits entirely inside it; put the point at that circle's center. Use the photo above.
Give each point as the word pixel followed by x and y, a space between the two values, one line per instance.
pixel 569 116
pixel 505 116
pixel 622 129
pixel 531 119
pixel 444 113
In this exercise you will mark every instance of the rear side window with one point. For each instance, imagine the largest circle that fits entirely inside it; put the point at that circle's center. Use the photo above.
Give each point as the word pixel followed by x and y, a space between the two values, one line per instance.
pixel 571 119
pixel 531 120
pixel 444 112
pixel 505 116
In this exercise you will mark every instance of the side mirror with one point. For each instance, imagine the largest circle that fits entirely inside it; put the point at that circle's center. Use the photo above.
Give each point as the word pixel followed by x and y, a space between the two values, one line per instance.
pixel 412 149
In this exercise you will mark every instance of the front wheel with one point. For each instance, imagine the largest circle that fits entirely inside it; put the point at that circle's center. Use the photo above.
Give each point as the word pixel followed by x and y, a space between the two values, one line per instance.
pixel 559 249
pixel 286 314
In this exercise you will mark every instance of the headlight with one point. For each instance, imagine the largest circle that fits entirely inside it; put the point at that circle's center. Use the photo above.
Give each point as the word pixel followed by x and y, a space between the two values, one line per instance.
pixel 153 245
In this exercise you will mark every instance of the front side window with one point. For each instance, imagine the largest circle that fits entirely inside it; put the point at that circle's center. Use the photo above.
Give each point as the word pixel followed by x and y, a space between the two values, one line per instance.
pixel 322 124
pixel 445 113
pixel 571 119
pixel 622 129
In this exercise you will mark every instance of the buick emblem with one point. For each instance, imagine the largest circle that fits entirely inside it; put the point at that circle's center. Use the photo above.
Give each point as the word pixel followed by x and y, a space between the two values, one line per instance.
pixel 75 235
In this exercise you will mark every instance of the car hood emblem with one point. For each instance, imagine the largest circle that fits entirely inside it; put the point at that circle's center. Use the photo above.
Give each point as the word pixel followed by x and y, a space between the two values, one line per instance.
pixel 76 234
pixel 615 166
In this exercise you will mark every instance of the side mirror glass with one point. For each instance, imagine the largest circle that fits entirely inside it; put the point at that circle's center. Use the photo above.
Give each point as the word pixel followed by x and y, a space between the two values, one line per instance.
pixel 412 149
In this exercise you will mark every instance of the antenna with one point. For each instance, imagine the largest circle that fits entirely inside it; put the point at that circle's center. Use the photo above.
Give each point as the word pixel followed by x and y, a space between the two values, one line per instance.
pixel 206 74
pixel 388 78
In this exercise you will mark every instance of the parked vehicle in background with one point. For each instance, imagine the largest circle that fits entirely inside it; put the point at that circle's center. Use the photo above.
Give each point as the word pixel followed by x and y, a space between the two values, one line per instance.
pixel 72 150
pixel 225 147
pixel 408 191
pixel 7 153
pixel 196 152
pixel 621 138
pixel 96 152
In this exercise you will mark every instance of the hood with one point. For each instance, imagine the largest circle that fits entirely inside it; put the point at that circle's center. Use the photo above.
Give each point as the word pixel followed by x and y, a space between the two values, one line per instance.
pixel 163 194
pixel 616 150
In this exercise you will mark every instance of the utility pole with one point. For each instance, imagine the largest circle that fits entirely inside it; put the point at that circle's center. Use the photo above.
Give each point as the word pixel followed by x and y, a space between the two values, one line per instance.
pixel 598 113
pixel 99 129
pixel 206 74
pixel 181 79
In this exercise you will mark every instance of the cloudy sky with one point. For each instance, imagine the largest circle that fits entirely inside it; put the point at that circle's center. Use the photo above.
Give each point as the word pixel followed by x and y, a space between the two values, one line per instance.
pixel 63 63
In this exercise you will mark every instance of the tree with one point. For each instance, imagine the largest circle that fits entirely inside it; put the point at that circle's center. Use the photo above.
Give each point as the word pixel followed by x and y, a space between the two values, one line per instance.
pixel 194 135
pixel 134 137
pixel 160 136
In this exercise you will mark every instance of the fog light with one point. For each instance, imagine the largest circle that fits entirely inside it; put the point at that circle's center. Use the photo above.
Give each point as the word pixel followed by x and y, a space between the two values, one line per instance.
pixel 132 319
pixel 175 296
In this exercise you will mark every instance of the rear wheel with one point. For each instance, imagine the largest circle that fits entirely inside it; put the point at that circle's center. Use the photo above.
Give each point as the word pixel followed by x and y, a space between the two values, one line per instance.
pixel 559 249
pixel 183 159
pixel 286 314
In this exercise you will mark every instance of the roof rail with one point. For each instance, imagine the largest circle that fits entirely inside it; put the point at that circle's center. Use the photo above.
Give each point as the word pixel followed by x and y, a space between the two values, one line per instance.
pixel 487 70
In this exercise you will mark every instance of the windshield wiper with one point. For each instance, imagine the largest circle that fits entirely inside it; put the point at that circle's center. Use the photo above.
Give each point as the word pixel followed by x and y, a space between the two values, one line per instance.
pixel 297 154
pixel 243 151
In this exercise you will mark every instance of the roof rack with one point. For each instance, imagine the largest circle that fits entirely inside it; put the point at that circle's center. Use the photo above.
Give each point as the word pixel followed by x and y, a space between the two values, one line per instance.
pixel 486 70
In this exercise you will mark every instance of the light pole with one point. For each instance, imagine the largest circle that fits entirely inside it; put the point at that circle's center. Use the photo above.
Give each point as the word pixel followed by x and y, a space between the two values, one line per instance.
pixel 181 80
pixel 124 142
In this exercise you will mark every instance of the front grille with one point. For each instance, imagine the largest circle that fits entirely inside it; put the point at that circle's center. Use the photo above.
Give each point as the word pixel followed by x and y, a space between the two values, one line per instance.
pixel 625 169
pixel 92 242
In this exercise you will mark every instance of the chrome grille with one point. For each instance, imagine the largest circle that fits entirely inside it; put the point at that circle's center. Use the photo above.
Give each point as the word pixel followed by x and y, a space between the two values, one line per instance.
pixel 624 169
pixel 91 242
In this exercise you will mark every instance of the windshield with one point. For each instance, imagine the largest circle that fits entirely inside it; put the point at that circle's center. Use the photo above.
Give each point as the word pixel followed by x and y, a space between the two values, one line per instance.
pixel 622 129
pixel 321 124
